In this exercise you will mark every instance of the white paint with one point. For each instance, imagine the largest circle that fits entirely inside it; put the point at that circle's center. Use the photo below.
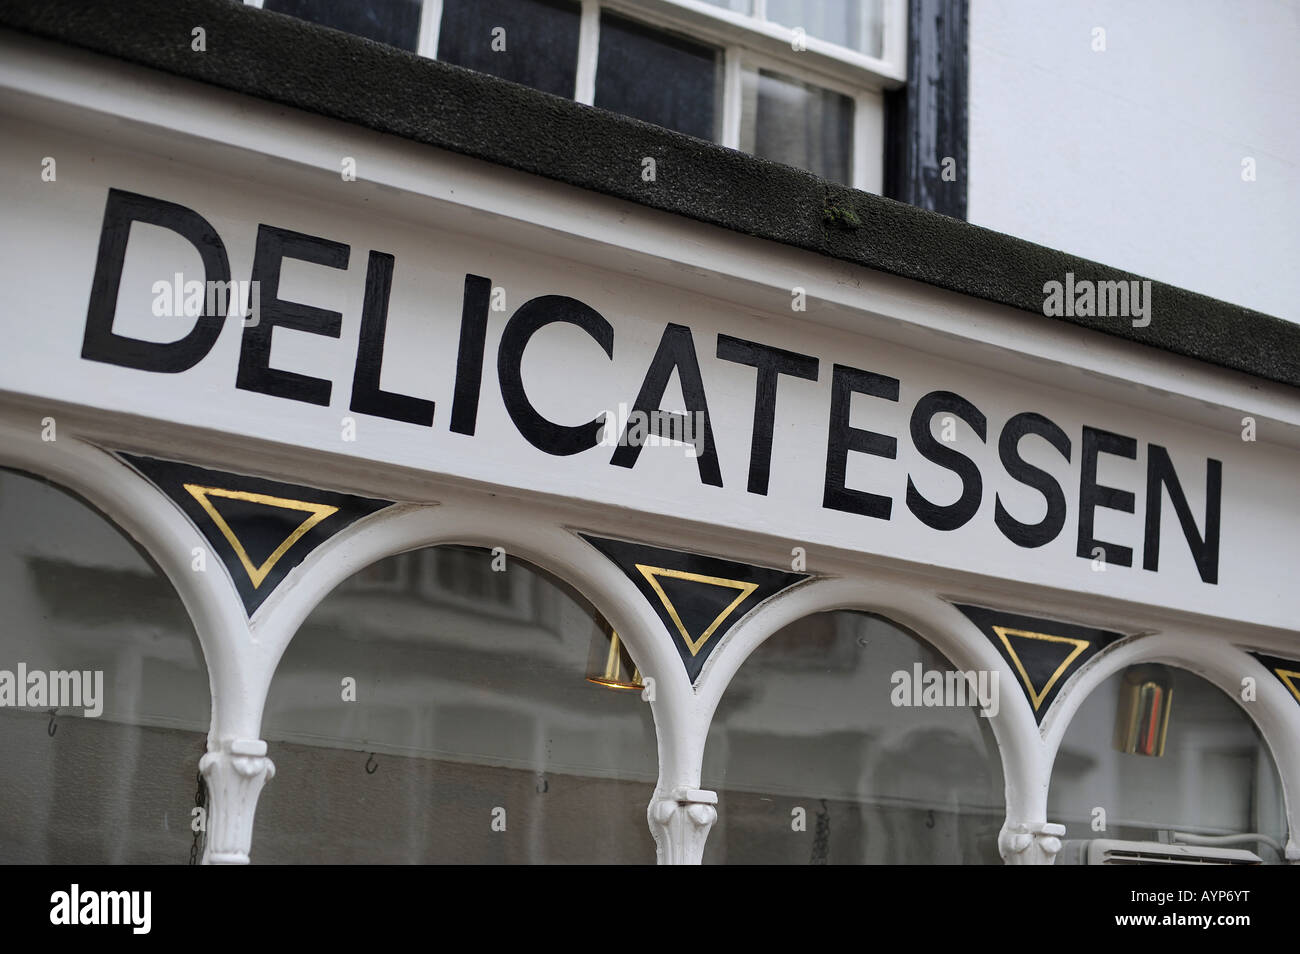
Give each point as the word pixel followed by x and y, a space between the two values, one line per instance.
pixel 588 53
pixel 430 27
pixel 719 25
pixel 868 126
pixel 732 97
pixel 1132 157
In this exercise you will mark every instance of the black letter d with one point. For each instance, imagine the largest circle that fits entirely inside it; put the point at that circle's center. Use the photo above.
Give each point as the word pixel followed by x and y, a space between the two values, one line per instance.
pixel 100 343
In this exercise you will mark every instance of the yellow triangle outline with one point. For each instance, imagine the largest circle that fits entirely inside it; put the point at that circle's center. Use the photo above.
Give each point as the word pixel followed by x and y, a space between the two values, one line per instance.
pixel 258 574
pixel 1037 697
pixel 1286 675
pixel 651 573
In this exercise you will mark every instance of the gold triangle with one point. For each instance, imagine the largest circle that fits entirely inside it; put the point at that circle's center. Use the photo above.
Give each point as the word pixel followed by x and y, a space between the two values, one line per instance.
pixel 1037 696
pixel 1286 675
pixel 258 573
pixel 651 573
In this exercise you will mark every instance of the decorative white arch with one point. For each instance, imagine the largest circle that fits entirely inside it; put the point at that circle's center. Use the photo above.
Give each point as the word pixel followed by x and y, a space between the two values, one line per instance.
pixel 931 617
pixel 235 765
pixel 141 511
pixel 514 526
pixel 241 657
pixel 1274 711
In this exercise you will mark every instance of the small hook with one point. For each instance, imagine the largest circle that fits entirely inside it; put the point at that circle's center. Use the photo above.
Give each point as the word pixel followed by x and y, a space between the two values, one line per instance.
pixel 52 728
pixel 929 819
pixel 371 765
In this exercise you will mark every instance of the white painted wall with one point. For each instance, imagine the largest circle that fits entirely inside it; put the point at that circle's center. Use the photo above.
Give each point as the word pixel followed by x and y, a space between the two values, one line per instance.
pixel 1132 156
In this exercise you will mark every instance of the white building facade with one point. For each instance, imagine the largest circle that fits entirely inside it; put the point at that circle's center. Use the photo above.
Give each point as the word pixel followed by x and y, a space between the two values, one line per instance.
pixel 436 468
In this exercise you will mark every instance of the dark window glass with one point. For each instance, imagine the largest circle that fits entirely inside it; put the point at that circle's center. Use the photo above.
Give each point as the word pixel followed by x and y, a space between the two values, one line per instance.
pixel 812 722
pixel 656 77
pixel 110 780
pixel 474 701
pixel 1213 777
pixel 533 42
pixel 395 22
pixel 796 123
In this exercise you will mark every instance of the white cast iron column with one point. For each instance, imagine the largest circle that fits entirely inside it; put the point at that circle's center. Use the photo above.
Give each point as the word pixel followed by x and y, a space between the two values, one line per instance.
pixel 682 822
pixel 1034 843
pixel 235 774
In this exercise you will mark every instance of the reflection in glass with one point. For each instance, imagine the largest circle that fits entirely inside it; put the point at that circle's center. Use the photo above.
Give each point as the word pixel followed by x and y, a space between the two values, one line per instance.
pixel 1216 776
pixel 736 6
pixel 856 24
pixel 789 121
pixel 395 22
pixel 531 42
pixel 78 595
pixel 808 724
pixel 471 706
pixel 657 77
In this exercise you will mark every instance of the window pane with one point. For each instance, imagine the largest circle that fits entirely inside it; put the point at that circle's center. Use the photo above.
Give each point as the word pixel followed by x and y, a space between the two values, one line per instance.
pixel 856 24
pixel 658 77
pixel 809 722
pixel 79 597
pixel 789 121
pixel 1216 776
pixel 395 22
pixel 736 6
pixel 471 696
pixel 533 42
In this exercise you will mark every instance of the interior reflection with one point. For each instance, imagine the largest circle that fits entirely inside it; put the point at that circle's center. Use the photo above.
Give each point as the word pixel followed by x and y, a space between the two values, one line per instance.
pixel 1214 783
pixel 815 764
pixel 436 708
pixel 80 597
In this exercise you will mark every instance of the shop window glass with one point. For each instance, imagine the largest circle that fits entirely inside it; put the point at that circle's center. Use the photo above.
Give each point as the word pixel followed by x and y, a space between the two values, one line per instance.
pixel 395 22
pixel 532 42
pixel 657 77
pixel 474 736
pixel 1215 777
pixel 796 123
pixel 814 762
pixel 79 597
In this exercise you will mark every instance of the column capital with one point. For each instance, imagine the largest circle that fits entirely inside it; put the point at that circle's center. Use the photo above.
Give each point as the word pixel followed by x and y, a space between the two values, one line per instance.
pixel 235 771
pixel 680 823
pixel 1030 843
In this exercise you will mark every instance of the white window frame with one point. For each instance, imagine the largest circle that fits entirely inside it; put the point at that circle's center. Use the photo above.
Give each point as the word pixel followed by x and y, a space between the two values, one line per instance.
pixel 724 27
pixel 866 165
pixel 745 40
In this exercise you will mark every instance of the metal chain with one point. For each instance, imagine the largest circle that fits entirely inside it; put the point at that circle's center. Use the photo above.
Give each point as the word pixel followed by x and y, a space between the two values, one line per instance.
pixel 200 801
pixel 821 836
